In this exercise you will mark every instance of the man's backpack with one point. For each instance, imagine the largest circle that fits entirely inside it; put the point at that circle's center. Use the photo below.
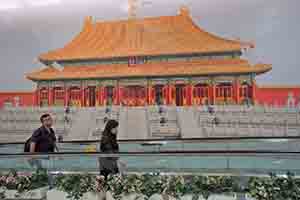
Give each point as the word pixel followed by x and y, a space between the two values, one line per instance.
pixel 27 145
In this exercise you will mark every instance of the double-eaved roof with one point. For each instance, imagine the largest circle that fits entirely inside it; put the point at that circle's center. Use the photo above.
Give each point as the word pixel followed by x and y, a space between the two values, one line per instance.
pixel 157 36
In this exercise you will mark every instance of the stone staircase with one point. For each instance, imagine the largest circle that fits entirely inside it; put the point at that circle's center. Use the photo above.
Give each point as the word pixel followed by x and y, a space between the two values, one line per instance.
pixel 133 123
pixel 164 123
pixel 81 129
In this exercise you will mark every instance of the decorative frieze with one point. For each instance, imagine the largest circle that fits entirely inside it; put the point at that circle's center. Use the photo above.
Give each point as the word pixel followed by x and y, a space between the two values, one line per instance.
pixel 109 82
pixel 73 83
pixel 57 84
pixel 43 84
pixel 244 79
pixel 200 80
pixel 224 79
pixel 158 81
pixel 92 82
pixel 178 81
pixel 128 82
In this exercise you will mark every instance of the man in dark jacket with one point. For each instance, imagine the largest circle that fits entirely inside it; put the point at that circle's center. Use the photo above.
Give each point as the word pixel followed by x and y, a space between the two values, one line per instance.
pixel 43 139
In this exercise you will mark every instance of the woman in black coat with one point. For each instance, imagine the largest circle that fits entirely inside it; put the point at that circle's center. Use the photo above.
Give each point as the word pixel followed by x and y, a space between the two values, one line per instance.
pixel 109 165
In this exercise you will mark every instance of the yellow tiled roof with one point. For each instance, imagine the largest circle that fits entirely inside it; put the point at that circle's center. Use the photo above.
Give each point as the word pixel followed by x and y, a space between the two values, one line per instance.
pixel 163 69
pixel 166 35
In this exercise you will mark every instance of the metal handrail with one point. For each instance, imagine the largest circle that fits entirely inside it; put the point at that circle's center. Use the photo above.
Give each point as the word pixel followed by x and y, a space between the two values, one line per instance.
pixel 183 140
pixel 255 153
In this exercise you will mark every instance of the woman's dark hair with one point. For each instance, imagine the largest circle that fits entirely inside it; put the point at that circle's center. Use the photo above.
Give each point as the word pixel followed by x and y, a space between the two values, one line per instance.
pixel 107 136
pixel 110 125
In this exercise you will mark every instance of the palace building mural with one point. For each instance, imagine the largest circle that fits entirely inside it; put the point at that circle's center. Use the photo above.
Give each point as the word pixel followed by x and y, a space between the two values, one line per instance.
pixel 165 60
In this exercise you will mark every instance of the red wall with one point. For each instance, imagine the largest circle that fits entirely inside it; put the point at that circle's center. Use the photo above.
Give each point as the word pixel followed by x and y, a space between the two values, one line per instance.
pixel 25 98
pixel 276 95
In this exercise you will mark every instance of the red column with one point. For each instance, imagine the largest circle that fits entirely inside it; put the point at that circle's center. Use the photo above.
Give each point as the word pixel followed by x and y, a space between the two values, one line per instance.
pixel 104 97
pixel 152 94
pixel 99 95
pixel 115 95
pixel 237 91
pixel 212 96
pixel 122 95
pixel 214 93
pixel 186 95
pixel 118 94
pixel 144 95
pixel 166 94
pixel 50 96
pixel 37 97
pixel 190 95
pixel 66 91
pixel 148 94
pixel 82 96
pixel 170 99
pixel 253 91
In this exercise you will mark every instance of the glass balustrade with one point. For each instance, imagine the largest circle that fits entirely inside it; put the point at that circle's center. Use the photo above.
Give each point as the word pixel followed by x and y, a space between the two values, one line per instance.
pixel 247 163
pixel 217 161
pixel 276 144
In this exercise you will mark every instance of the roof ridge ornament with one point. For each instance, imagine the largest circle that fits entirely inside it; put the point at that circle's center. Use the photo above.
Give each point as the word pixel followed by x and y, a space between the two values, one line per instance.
pixel 88 22
pixel 132 9
pixel 246 45
pixel 184 11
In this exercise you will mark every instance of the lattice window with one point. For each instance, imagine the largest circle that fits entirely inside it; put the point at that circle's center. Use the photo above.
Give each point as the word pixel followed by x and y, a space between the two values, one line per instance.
pixel 200 91
pixel 44 101
pixel 244 91
pixel 224 91
pixel 44 94
pixel 75 94
pixel 59 96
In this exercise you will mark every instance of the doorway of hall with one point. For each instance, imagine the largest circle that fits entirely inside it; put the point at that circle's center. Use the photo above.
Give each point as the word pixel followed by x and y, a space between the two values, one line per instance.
pixel 159 94
pixel 134 96
pixel 179 94
pixel 91 96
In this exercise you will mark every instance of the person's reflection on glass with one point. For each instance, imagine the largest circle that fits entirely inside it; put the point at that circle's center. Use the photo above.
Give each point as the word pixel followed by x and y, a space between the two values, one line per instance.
pixel 60 138
pixel 109 144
